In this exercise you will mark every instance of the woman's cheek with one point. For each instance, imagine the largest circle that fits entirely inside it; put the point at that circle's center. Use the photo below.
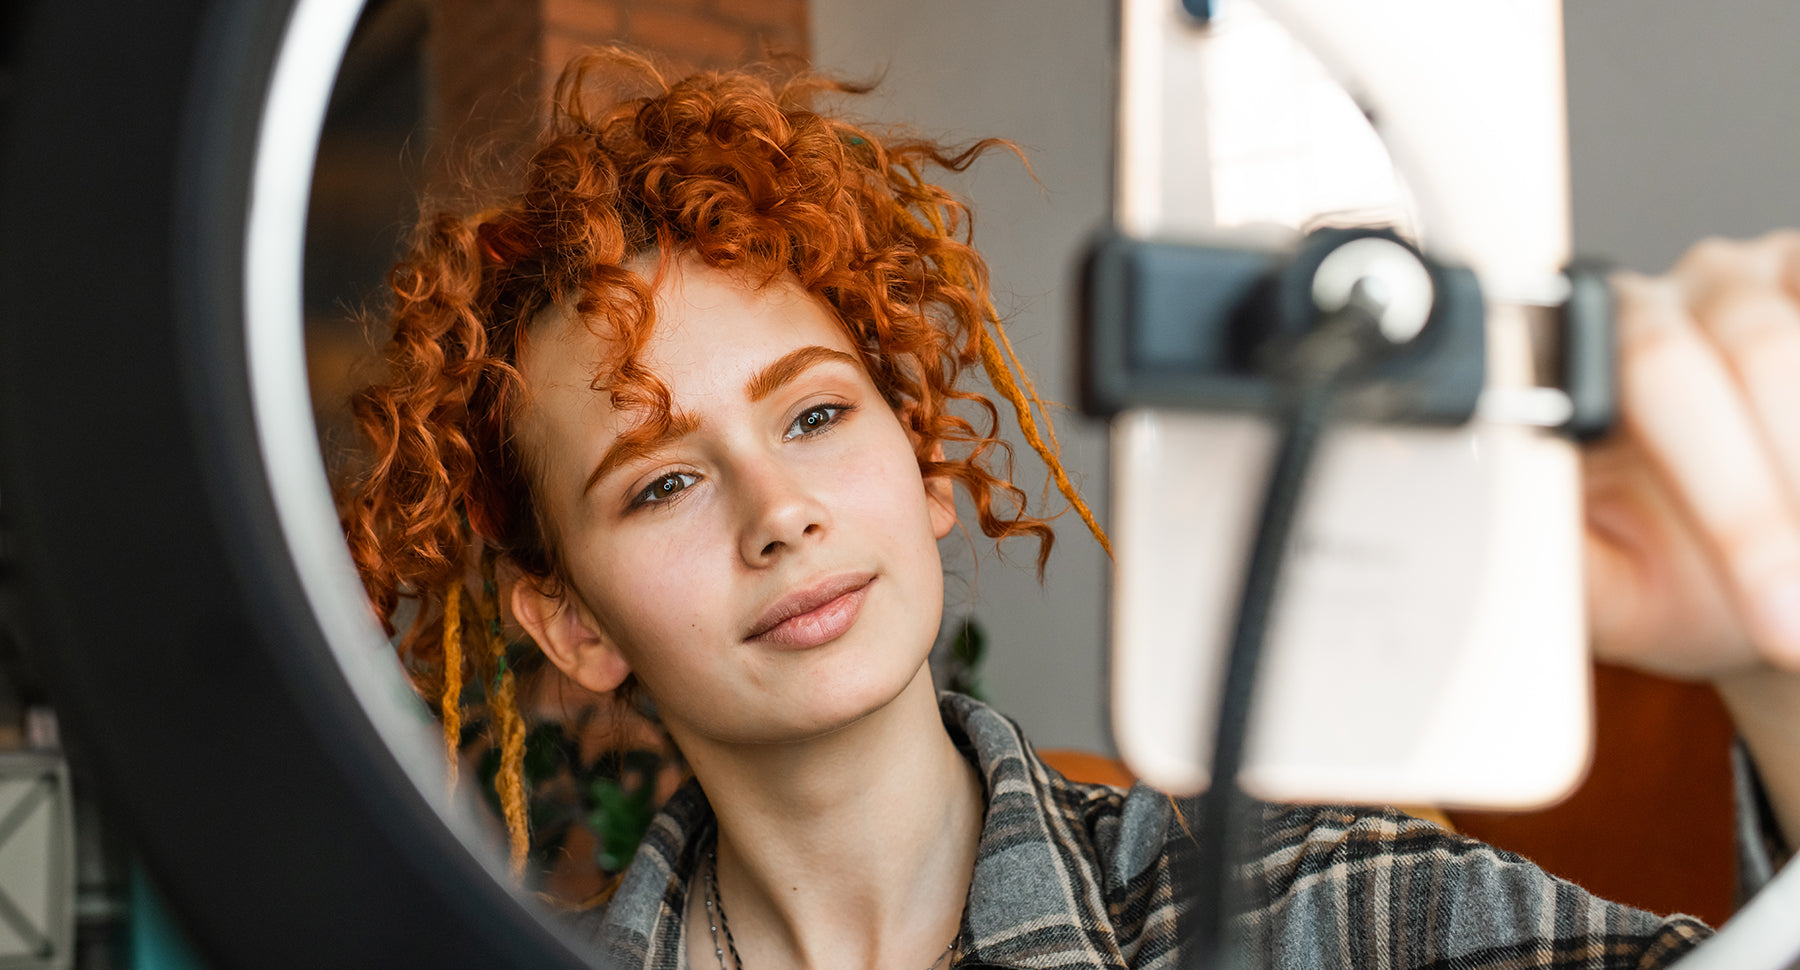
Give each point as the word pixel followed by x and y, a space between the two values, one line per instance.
pixel 887 486
pixel 672 574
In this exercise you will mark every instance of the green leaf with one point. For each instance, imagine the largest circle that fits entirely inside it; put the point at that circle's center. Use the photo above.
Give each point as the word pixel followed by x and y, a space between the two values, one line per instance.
pixel 966 652
pixel 545 754
pixel 620 816
pixel 970 644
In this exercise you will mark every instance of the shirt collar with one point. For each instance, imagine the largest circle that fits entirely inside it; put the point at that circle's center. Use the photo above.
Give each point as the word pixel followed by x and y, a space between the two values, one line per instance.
pixel 1035 899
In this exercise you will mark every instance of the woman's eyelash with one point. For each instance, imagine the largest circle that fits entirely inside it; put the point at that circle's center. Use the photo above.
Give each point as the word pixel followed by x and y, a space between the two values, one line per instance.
pixel 663 488
pixel 818 419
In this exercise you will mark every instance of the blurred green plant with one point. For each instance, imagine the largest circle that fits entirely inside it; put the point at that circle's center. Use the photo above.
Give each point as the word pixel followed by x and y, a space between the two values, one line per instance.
pixel 620 806
pixel 962 669
pixel 612 796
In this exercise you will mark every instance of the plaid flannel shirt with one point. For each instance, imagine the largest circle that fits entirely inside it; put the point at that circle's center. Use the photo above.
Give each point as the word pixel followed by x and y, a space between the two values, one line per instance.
pixel 1073 875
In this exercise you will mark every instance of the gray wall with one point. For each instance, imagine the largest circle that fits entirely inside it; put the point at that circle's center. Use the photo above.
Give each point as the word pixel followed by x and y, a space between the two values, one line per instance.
pixel 1684 122
pixel 1039 73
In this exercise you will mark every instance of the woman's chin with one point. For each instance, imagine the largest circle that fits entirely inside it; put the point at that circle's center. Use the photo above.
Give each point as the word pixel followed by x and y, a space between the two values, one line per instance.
pixel 827 705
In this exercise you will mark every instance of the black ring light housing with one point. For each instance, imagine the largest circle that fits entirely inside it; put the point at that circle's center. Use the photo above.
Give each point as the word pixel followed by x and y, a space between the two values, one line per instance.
pixel 151 571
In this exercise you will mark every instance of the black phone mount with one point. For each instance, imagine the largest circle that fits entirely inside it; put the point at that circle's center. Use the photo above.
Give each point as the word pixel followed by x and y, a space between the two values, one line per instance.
pixel 1201 327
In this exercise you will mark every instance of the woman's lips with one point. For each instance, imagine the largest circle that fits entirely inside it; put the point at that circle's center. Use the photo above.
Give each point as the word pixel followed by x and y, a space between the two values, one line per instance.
pixel 816 615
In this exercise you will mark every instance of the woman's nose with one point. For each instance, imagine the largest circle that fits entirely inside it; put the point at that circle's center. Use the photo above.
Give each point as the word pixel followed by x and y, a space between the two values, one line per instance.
pixel 782 512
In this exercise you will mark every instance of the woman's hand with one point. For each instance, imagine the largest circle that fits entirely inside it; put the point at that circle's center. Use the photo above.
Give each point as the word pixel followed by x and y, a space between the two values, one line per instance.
pixel 1693 505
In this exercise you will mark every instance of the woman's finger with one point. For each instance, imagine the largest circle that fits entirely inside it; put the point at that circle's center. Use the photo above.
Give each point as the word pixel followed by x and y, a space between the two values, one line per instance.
pixel 1717 263
pixel 1744 297
pixel 1683 403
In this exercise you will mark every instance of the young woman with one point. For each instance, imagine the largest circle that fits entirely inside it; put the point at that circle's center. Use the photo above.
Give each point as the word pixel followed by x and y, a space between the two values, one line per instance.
pixel 687 409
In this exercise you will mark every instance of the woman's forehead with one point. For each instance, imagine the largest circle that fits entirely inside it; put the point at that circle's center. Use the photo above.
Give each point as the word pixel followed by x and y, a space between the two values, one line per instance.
pixel 711 328
pixel 702 314
pixel 714 314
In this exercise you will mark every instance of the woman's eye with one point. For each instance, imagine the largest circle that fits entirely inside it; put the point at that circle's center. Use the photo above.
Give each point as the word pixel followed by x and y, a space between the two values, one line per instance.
pixel 664 488
pixel 816 419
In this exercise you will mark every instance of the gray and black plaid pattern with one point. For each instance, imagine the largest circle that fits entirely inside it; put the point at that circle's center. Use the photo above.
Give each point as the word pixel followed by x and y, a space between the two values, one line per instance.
pixel 1083 876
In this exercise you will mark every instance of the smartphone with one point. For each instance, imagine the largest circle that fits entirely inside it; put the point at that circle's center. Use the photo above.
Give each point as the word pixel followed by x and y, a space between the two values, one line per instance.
pixel 1429 639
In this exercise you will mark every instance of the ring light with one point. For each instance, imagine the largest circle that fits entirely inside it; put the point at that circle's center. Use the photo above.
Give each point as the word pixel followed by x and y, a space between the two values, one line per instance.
pixel 167 509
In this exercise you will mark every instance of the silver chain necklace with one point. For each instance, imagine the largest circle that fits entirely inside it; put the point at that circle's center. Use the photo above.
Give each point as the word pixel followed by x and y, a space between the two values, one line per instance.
pixel 716 921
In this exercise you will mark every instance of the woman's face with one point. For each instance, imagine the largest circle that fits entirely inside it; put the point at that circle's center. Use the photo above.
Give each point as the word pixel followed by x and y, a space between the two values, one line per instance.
pixel 769 570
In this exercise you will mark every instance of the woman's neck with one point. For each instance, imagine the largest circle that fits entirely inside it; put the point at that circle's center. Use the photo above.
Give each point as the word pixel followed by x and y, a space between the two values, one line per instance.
pixel 854 849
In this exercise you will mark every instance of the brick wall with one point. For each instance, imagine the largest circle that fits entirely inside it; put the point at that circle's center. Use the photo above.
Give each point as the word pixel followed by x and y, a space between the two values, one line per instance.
pixel 689 34
pixel 491 65
pixel 484 90
pixel 491 61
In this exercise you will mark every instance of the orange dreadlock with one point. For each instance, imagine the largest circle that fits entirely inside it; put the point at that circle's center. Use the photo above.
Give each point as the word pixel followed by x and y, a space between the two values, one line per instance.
pixel 1001 364
pixel 450 700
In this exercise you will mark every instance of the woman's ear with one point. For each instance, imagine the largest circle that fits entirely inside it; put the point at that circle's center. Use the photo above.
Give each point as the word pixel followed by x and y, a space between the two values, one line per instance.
pixel 940 494
pixel 569 636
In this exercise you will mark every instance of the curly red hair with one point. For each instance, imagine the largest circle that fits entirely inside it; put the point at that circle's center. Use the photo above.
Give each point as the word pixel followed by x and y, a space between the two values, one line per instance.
pixel 736 169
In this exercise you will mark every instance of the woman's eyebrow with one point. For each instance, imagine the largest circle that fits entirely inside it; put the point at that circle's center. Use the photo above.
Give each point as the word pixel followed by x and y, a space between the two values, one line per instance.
pixel 645 438
pixel 791 365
